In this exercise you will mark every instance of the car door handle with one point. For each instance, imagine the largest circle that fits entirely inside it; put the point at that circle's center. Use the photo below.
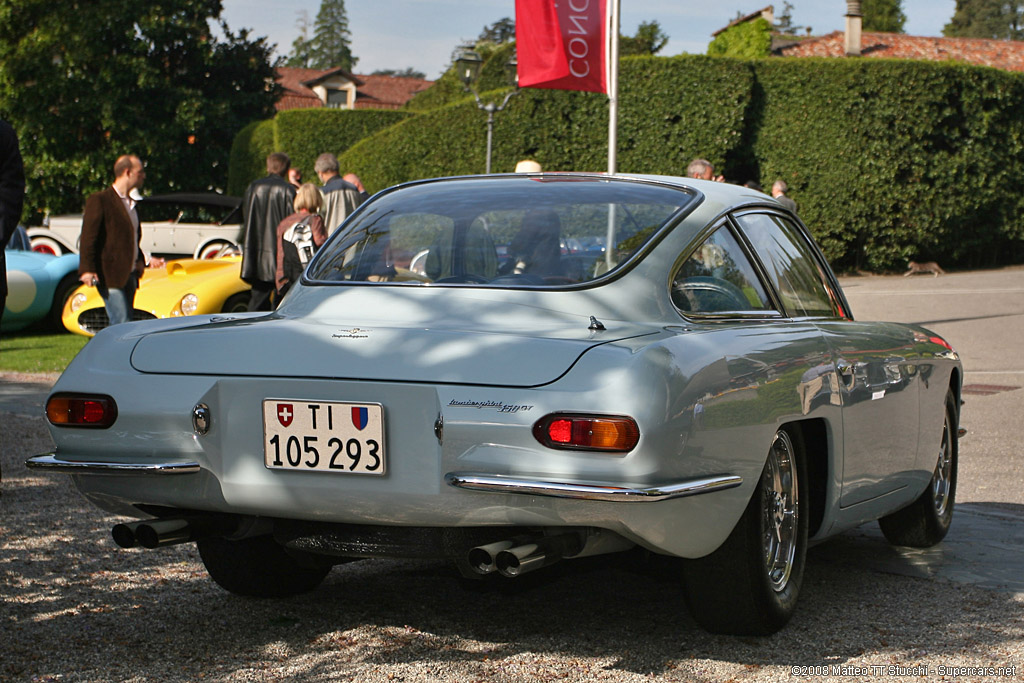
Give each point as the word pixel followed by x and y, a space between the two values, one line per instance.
pixel 846 372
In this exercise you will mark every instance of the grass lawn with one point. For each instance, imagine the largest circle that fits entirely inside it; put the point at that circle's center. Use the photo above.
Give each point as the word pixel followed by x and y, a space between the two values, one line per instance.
pixel 27 351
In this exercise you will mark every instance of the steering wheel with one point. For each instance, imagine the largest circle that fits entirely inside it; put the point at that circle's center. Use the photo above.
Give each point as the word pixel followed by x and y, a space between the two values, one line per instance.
pixel 702 294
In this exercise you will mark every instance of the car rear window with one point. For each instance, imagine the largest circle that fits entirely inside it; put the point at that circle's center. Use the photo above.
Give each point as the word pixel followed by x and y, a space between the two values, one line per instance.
pixel 499 232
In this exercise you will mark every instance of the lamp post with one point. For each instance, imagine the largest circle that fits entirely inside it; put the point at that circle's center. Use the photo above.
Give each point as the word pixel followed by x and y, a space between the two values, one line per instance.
pixel 467 67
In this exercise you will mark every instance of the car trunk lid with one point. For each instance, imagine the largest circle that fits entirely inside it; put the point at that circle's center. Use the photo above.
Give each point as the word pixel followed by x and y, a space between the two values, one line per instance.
pixel 275 347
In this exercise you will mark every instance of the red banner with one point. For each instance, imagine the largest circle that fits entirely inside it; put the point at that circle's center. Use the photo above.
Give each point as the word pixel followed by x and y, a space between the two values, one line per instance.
pixel 561 44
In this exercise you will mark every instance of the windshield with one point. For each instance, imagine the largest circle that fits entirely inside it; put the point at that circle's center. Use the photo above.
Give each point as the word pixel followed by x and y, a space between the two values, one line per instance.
pixel 508 231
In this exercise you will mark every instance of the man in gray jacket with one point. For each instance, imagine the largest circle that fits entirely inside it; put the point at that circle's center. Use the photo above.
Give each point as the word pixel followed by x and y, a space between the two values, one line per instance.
pixel 340 197
pixel 266 203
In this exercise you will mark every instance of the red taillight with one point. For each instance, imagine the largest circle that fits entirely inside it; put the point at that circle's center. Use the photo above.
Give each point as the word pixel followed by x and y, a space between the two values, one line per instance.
pixel 588 432
pixel 79 410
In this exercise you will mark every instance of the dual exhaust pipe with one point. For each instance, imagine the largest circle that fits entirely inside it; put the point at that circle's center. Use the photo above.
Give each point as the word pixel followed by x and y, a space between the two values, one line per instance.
pixel 522 554
pixel 160 533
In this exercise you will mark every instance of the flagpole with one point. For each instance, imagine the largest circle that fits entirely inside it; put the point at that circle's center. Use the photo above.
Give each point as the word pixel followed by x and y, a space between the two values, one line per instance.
pixel 613 83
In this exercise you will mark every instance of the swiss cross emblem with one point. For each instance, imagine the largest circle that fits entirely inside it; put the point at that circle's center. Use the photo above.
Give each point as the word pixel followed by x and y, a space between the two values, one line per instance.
pixel 285 413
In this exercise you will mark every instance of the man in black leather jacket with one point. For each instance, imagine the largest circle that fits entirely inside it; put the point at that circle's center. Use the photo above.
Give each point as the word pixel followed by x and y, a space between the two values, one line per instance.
pixel 12 195
pixel 266 203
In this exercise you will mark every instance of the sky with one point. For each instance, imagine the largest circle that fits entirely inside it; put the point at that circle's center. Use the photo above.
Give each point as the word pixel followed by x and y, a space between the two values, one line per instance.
pixel 398 34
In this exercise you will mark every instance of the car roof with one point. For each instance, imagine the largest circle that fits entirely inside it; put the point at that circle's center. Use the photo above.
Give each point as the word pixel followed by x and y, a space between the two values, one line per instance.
pixel 719 193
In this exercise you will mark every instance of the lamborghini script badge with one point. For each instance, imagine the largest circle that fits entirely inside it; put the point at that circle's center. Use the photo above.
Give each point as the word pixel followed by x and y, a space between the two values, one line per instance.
pixel 354 333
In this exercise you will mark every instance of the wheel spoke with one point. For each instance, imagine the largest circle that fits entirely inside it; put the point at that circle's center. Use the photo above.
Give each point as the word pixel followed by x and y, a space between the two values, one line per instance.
pixel 780 512
pixel 941 481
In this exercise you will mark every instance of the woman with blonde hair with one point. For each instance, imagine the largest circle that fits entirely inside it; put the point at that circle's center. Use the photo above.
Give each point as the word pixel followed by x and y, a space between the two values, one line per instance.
pixel 298 237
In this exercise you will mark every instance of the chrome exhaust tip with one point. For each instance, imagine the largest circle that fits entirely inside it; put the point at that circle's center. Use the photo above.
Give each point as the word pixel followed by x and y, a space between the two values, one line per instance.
pixel 541 552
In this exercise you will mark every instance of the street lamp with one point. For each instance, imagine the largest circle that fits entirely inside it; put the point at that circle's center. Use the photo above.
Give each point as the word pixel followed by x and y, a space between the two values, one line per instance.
pixel 467 68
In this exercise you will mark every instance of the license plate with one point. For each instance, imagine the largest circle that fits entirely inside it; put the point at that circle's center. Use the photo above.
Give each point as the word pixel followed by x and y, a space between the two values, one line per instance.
pixel 323 436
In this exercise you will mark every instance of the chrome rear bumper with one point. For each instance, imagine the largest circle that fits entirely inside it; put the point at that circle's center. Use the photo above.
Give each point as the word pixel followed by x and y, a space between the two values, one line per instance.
pixel 592 491
pixel 49 462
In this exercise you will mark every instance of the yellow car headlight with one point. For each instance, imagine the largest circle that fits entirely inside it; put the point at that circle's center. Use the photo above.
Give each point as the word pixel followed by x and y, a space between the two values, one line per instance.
pixel 189 304
pixel 77 301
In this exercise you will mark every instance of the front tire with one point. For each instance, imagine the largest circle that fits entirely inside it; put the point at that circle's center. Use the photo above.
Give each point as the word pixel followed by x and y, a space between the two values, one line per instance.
pixel 258 567
pixel 926 521
pixel 750 585
pixel 236 303
pixel 46 245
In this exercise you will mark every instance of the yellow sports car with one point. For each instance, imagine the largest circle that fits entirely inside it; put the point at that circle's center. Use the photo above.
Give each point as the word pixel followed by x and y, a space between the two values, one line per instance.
pixel 182 287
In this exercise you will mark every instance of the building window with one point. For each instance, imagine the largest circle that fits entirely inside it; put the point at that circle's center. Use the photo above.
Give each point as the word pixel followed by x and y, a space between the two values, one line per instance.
pixel 337 99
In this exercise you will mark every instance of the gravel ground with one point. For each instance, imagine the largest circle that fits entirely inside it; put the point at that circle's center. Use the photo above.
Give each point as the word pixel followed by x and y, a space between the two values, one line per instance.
pixel 74 607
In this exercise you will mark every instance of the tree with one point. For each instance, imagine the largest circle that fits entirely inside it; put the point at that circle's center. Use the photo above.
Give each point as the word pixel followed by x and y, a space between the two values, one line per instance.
pixel 998 19
pixel 649 40
pixel 329 46
pixel 124 77
pixel 407 72
pixel 500 32
pixel 301 54
pixel 784 24
pixel 883 15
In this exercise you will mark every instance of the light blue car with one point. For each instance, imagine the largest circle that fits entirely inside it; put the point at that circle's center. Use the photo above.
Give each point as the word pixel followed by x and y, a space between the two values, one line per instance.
pixel 38 285
pixel 698 388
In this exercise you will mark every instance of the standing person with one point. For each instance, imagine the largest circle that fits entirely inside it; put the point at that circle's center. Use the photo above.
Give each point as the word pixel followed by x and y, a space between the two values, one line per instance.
pixel 779 189
pixel 12 197
pixel 702 169
pixel 295 177
pixel 298 237
pixel 340 197
pixel 266 203
pixel 109 256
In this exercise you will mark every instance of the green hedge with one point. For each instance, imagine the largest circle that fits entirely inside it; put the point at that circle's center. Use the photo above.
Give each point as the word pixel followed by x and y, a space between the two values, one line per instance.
pixel 896 160
pixel 663 123
pixel 888 160
pixel 249 153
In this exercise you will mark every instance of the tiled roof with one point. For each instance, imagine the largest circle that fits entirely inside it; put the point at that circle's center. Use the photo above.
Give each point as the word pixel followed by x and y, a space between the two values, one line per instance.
pixel 372 92
pixel 388 92
pixel 296 94
pixel 768 13
pixel 1000 54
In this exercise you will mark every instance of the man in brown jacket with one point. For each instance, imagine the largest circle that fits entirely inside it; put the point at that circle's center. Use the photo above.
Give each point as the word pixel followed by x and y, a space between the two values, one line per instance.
pixel 110 257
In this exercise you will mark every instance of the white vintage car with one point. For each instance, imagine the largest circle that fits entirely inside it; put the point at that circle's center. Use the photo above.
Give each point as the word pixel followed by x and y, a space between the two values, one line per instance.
pixel 698 389
pixel 197 225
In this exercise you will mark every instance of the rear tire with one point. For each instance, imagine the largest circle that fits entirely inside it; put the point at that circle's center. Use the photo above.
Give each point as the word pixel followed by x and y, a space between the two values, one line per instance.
pixel 750 585
pixel 926 521
pixel 258 567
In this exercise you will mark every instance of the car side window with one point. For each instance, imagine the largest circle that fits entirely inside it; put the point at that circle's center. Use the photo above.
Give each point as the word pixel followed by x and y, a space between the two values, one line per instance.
pixel 791 264
pixel 718 278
